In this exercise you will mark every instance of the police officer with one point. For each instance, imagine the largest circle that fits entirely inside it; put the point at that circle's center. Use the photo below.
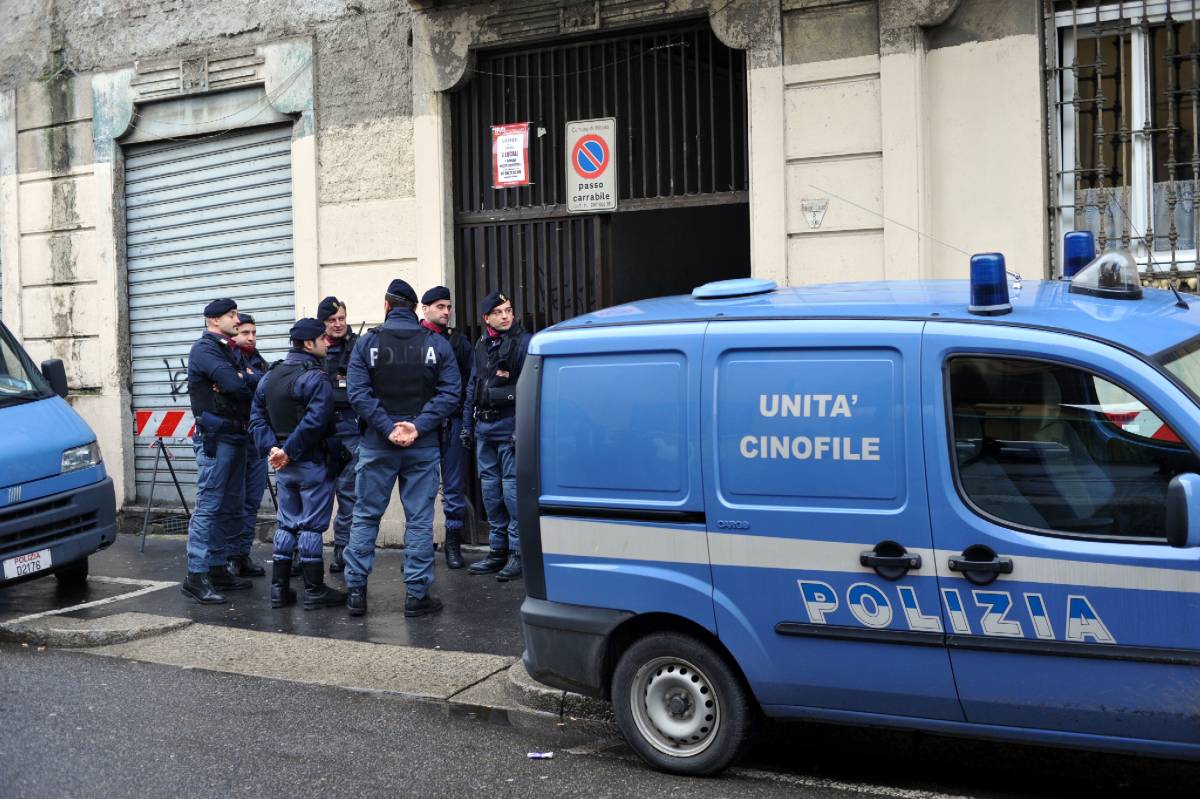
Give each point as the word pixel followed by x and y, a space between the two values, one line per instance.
pixel 340 341
pixel 489 415
pixel 240 562
pixel 293 419
pixel 403 383
pixel 437 308
pixel 220 387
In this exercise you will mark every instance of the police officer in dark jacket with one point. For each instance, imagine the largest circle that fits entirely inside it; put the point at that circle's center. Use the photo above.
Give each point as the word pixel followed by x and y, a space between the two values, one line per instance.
pixel 340 340
pixel 292 420
pixel 437 308
pixel 240 562
pixel 489 415
pixel 403 383
pixel 220 387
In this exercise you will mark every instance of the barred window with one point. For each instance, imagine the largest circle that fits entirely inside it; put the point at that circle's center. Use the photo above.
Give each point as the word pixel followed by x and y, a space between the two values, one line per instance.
pixel 1125 84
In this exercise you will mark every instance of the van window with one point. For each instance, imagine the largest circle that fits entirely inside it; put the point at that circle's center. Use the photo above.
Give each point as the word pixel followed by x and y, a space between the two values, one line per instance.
pixel 615 428
pixel 1051 447
pixel 19 380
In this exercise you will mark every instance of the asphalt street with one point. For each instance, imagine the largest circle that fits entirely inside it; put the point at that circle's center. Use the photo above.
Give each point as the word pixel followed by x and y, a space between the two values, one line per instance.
pixel 74 724
pixel 81 726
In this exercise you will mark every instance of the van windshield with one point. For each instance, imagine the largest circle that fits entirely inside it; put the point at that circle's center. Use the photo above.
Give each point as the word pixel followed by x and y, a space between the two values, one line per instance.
pixel 19 380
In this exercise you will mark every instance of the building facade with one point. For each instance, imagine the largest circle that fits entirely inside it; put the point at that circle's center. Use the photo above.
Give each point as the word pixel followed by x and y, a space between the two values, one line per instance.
pixel 155 154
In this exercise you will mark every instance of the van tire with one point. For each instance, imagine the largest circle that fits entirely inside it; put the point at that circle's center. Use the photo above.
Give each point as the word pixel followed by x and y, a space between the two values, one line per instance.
pixel 703 689
pixel 74 576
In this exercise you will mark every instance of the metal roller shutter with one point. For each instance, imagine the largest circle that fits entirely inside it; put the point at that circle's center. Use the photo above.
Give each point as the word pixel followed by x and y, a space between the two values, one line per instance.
pixel 205 217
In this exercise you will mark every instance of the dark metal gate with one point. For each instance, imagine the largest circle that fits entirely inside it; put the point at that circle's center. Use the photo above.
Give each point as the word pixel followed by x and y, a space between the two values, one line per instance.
pixel 679 98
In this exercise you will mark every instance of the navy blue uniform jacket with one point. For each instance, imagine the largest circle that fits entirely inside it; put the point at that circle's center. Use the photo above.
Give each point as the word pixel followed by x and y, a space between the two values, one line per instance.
pixel 378 422
pixel 504 428
pixel 216 360
pixel 312 389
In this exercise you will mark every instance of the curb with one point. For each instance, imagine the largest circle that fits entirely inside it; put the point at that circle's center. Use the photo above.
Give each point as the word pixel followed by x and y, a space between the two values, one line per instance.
pixel 71 633
pixel 533 695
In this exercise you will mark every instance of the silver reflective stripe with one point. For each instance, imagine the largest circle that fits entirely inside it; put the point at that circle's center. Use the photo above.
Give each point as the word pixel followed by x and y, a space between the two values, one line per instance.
pixel 616 540
pixel 647 542
pixel 1056 571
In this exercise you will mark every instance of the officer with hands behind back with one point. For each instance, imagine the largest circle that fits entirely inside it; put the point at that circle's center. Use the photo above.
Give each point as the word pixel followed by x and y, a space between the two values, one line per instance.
pixel 403 383
pixel 240 562
pixel 489 415
pixel 220 387
pixel 293 420
pixel 437 307
pixel 340 340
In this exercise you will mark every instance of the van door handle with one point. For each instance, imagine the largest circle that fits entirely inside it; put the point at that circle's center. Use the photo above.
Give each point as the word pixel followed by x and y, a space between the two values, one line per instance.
pixel 980 564
pixel 890 560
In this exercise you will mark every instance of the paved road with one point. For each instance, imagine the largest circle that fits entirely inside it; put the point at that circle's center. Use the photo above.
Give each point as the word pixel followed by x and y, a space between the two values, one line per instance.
pixel 73 724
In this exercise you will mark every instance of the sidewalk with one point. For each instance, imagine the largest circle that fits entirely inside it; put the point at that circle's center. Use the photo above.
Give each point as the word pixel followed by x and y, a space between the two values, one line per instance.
pixel 480 615
pixel 467 656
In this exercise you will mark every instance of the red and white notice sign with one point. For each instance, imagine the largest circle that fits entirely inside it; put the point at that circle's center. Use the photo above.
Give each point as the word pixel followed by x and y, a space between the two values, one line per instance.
pixel 510 155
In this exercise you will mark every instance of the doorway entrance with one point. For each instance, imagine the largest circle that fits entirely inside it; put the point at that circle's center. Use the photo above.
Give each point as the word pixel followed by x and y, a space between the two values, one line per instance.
pixel 679 99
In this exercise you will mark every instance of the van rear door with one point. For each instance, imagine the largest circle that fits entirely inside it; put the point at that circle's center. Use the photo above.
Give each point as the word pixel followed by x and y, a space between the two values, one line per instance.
pixel 818 528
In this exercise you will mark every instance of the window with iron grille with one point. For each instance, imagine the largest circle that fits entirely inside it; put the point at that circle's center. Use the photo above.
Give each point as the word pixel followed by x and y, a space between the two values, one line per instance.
pixel 1124 79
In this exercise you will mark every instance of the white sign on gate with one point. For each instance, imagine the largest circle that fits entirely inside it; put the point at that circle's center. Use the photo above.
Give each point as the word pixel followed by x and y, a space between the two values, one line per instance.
pixel 591 165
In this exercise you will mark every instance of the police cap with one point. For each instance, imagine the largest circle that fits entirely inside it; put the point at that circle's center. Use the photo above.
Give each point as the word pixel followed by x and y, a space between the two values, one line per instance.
pixel 328 307
pixel 218 308
pixel 307 330
pixel 435 294
pixel 491 302
pixel 400 288
pixel 245 319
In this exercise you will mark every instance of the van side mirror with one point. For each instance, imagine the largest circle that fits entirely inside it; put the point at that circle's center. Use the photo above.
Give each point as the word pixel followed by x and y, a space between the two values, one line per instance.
pixel 1183 511
pixel 56 374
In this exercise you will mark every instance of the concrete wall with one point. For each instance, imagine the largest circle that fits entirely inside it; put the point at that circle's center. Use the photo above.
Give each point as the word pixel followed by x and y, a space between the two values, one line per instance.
pixel 61 223
pixel 906 116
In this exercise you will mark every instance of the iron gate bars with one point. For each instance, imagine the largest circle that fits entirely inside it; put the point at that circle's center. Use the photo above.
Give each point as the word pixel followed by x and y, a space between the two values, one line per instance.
pixel 1125 78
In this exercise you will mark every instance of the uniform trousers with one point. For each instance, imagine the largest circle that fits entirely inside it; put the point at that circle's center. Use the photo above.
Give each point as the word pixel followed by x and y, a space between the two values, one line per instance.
pixel 220 490
pixel 305 506
pixel 497 461
pixel 344 488
pixel 416 471
pixel 454 501
pixel 256 487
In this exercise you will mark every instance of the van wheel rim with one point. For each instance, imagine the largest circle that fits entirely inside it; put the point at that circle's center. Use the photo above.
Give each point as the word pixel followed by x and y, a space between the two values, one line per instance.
pixel 675 707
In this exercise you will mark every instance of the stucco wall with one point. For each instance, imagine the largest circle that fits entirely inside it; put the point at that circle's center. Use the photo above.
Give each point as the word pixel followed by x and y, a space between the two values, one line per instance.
pixel 907 116
pixel 54 197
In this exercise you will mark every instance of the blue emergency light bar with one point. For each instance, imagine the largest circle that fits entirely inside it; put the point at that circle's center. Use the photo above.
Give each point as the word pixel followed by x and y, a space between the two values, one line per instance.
pixel 1079 250
pixel 989 285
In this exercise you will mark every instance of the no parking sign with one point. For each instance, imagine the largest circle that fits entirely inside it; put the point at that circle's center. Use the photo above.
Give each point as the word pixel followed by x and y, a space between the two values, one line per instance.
pixel 591 165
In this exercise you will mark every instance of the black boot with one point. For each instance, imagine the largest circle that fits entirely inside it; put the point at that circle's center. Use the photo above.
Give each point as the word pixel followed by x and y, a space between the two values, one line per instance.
pixel 512 569
pixel 296 563
pixel 222 580
pixel 337 565
pixel 198 588
pixel 244 566
pixel 356 600
pixel 316 593
pixel 494 562
pixel 281 593
pixel 454 558
pixel 421 607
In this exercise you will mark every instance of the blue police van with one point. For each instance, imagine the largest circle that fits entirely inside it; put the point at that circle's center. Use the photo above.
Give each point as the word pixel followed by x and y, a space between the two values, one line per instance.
pixel 961 507
pixel 57 505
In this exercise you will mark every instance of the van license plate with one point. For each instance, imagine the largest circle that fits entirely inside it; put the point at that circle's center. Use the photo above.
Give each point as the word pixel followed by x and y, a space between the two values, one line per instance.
pixel 29 563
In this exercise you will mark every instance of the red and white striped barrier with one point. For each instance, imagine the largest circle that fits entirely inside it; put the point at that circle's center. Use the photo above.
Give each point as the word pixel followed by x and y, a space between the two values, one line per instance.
pixel 163 423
